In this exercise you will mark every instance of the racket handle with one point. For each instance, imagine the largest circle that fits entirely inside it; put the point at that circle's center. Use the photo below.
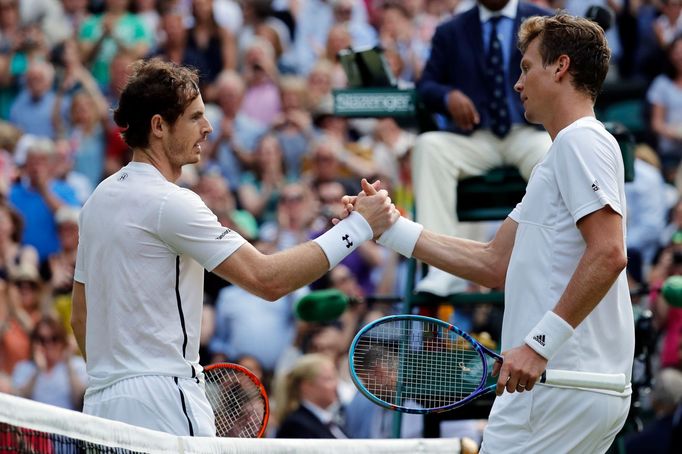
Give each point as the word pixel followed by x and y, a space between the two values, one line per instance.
pixel 590 380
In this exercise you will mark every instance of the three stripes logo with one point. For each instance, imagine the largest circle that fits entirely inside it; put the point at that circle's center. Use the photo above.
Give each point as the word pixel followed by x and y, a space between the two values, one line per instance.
pixel 540 339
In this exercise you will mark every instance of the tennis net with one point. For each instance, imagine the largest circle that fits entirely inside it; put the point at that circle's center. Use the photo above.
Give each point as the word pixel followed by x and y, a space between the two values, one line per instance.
pixel 35 428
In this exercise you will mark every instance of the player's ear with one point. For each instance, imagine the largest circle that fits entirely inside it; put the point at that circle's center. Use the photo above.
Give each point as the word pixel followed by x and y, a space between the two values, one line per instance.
pixel 562 66
pixel 157 125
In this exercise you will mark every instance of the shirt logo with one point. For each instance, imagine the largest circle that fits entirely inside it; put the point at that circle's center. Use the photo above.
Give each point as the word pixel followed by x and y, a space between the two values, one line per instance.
pixel 349 243
pixel 222 235
pixel 595 186
pixel 123 176
pixel 540 339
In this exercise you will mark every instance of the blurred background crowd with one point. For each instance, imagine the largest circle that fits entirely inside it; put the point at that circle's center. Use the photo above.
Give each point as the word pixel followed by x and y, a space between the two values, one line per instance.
pixel 275 168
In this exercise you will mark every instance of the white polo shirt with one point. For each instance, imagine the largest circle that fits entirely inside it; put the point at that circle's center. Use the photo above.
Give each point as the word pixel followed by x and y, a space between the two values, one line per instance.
pixel 144 244
pixel 581 173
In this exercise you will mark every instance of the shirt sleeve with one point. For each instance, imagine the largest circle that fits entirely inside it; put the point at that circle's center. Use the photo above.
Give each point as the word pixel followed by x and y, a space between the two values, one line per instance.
pixel 587 172
pixel 189 227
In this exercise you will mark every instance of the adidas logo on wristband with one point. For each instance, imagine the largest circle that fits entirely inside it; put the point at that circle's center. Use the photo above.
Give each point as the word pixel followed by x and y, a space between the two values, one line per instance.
pixel 540 339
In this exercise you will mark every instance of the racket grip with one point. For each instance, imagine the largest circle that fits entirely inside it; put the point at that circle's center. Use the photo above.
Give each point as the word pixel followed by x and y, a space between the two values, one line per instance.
pixel 590 380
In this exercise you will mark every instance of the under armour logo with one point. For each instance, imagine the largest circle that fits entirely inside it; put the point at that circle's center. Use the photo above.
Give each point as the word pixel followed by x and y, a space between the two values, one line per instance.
pixel 540 339
pixel 595 186
pixel 349 243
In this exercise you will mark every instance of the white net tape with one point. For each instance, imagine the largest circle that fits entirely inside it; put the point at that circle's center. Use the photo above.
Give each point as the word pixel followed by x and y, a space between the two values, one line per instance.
pixel 112 436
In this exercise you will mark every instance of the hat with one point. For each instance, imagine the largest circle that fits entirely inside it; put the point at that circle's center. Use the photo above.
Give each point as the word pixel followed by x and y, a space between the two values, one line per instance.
pixel 67 214
pixel 25 272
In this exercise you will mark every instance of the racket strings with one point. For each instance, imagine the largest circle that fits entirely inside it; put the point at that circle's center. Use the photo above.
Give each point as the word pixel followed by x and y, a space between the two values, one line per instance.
pixel 238 404
pixel 417 364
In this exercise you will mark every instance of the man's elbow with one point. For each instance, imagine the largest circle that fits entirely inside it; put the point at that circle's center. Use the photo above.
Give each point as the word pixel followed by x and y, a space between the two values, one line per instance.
pixel 616 260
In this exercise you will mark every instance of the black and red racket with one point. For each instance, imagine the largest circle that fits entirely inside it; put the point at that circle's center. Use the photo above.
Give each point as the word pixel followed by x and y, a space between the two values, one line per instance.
pixel 239 401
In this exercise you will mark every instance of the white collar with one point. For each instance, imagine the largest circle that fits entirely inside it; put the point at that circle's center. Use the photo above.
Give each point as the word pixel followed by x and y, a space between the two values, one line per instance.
pixel 510 10
pixel 324 415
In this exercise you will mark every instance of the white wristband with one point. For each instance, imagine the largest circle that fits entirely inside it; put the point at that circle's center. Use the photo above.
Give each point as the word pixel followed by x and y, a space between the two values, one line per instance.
pixel 344 238
pixel 402 236
pixel 547 337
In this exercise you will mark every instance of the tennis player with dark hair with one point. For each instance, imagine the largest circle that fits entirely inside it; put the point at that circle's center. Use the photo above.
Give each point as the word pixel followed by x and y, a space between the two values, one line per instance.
pixel 144 243
pixel 560 255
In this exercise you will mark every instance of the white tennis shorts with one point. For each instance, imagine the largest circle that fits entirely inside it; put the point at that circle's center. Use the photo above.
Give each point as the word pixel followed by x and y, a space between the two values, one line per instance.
pixel 556 420
pixel 169 404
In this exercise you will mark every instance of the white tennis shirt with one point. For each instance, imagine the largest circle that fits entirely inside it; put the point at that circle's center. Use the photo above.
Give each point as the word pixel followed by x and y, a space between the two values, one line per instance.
pixel 581 173
pixel 144 244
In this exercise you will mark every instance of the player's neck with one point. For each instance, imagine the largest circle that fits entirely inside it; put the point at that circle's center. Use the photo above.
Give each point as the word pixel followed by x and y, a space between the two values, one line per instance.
pixel 568 110
pixel 157 159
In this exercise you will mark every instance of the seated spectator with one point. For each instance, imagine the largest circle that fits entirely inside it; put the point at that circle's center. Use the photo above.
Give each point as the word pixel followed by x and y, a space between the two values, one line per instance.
pixel 481 128
pixel 260 189
pixel 32 110
pixel 307 401
pixel 54 375
pixel 234 135
pixel 37 195
pixel 296 211
pixel 293 126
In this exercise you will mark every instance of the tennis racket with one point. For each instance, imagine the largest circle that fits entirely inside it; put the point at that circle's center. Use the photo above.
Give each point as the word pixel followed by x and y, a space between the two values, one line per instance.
pixel 239 401
pixel 416 364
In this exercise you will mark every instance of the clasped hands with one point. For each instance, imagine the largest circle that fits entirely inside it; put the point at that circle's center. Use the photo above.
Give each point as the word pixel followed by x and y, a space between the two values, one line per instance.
pixel 374 205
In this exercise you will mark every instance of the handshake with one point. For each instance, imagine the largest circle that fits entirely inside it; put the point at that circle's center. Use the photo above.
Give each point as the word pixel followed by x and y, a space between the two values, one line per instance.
pixel 368 215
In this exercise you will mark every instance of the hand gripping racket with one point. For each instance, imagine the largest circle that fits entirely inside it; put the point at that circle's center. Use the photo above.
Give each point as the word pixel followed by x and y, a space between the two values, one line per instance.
pixel 239 401
pixel 416 364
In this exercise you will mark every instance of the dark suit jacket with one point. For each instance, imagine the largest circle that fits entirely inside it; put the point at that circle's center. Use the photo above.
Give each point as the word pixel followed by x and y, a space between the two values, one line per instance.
pixel 302 423
pixel 457 61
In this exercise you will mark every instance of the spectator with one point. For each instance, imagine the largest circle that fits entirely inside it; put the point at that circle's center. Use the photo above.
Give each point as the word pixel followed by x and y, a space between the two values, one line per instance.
pixel 32 110
pixel 214 44
pixel 646 196
pixel 54 375
pixel 314 20
pixel 666 398
pixel 261 98
pixel 37 195
pixel 307 403
pixel 296 211
pixel 293 126
pixel 15 329
pixel 665 97
pixel 104 35
pixel 235 134
pixel 63 263
pixel 669 24
pixel 489 127
pixel 260 189
pixel 13 254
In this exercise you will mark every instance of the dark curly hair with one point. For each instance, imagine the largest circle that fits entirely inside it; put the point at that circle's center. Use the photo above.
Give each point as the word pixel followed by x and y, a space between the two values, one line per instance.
pixel 155 87
pixel 581 39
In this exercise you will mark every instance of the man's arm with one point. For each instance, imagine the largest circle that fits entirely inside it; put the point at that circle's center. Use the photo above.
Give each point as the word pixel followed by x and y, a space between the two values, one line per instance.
pixel 273 276
pixel 483 263
pixel 599 267
pixel 79 315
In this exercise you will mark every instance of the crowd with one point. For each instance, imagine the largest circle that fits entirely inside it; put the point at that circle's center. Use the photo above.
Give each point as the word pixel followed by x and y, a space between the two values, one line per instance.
pixel 275 168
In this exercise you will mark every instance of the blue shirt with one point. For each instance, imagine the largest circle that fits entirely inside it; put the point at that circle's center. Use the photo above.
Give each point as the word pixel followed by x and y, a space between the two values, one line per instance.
pixel 40 229
pixel 34 116
pixel 246 324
